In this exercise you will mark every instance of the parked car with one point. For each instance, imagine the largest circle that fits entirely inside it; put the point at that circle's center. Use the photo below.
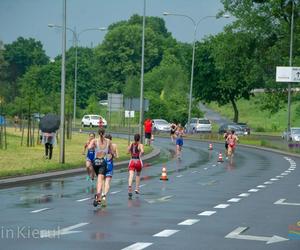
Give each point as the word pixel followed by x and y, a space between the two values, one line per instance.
pixel 199 125
pixel 161 125
pixel 231 126
pixel 245 127
pixel 293 135
pixel 92 121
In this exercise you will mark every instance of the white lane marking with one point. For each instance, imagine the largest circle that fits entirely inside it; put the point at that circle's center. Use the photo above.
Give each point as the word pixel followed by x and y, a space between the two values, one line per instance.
pixel 253 190
pixel 222 206
pixel 66 230
pixel 299 185
pixel 268 182
pixel 84 199
pixel 287 171
pixel 194 172
pixel 284 174
pixel 261 186
pixel 207 213
pixel 205 168
pixel 179 176
pixel 273 179
pixel 234 200
pixel 40 210
pixel 279 176
pixel 188 222
pixel 291 168
pixel 162 199
pixel 236 234
pixel 244 195
pixel 166 233
pixel 138 246
pixel 281 202
pixel 115 192
pixel 214 165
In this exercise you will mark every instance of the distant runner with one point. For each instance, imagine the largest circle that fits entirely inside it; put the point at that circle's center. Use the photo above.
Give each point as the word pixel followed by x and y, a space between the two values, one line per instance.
pixel 172 132
pixel 136 149
pixel 232 140
pixel 179 140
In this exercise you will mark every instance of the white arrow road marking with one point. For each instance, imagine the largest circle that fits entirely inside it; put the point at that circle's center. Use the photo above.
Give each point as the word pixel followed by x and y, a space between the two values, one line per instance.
pixel 235 234
pixel 66 230
pixel 207 213
pixel 138 246
pixel 166 233
pixel 40 210
pixel 84 199
pixel 188 222
pixel 234 200
pixel 281 202
pixel 222 206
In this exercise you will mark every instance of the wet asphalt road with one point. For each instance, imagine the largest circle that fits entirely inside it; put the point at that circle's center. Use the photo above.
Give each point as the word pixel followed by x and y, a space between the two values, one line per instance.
pixel 200 207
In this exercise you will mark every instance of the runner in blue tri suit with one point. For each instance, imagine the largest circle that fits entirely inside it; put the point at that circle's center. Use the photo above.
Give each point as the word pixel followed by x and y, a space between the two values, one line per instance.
pixel 179 140
pixel 90 156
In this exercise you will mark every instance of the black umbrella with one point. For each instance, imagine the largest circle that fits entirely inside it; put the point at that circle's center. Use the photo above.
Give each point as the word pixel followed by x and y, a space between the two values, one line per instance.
pixel 49 123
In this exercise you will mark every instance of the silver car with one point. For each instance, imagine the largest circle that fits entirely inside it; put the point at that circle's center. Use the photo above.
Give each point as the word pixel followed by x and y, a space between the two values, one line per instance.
pixel 293 135
pixel 200 125
pixel 161 125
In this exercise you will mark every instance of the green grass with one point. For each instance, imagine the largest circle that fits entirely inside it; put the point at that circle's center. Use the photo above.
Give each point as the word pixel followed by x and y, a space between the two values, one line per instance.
pixel 259 120
pixel 19 160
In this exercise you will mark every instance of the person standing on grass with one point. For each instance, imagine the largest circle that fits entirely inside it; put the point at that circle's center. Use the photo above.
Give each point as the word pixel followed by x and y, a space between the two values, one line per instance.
pixel 102 147
pixel 90 156
pixel 148 131
pixel 136 149
pixel 48 139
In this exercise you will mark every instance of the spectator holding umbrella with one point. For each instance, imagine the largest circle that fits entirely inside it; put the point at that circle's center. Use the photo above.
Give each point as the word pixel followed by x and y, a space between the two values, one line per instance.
pixel 48 125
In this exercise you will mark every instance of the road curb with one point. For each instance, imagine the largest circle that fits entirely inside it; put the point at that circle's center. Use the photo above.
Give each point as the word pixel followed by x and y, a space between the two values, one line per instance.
pixel 18 181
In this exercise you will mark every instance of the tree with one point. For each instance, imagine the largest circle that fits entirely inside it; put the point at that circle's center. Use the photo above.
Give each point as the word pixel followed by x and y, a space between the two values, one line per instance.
pixel 20 56
pixel 225 70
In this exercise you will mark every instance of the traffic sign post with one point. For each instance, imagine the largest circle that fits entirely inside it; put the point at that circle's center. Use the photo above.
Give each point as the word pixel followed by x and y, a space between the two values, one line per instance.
pixel 287 74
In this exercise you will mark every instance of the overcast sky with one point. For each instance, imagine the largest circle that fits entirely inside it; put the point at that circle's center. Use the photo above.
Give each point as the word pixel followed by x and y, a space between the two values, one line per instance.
pixel 29 18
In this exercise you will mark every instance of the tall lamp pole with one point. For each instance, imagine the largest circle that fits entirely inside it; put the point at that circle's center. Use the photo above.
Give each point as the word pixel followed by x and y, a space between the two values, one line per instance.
pixel 63 79
pixel 76 41
pixel 290 64
pixel 193 56
pixel 142 77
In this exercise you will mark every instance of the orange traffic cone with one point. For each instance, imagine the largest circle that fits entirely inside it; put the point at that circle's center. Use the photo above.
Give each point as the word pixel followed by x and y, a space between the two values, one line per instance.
pixel 164 176
pixel 210 147
pixel 220 159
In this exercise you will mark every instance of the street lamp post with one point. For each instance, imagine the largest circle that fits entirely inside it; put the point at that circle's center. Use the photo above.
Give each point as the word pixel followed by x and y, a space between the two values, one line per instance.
pixel 193 55
pixel 76 40
pixel 142 77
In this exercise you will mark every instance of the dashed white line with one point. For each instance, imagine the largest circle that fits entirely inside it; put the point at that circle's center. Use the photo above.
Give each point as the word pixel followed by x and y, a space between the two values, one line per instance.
pixel 222 206
pixel 284 174
pixel 179 176
pixel 138 246
pixel 279 176
pixel 188 222
pixel 253 190
pixel 261 186
pixel 244 195
pixel 268 182
pixel 207 213
pixel 234 200
pixel 40 210
pixel 273 179
pixel 84 199
pixel 115 192
pixel 166 233
pixel 287 171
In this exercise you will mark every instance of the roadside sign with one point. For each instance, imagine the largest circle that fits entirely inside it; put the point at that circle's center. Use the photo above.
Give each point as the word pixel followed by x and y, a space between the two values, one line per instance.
pixel 134 104
pixel 129 114
pixel 287 74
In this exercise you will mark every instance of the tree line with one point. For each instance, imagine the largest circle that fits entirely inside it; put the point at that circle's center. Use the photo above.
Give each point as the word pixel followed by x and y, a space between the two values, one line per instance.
pixel 228 65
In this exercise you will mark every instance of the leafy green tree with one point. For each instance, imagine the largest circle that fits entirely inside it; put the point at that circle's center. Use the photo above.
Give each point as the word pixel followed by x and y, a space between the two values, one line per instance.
pixel 20 56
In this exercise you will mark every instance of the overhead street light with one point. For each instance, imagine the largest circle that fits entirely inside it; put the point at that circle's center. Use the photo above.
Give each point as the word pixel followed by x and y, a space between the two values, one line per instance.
pixel 193 54
pixel 76 41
